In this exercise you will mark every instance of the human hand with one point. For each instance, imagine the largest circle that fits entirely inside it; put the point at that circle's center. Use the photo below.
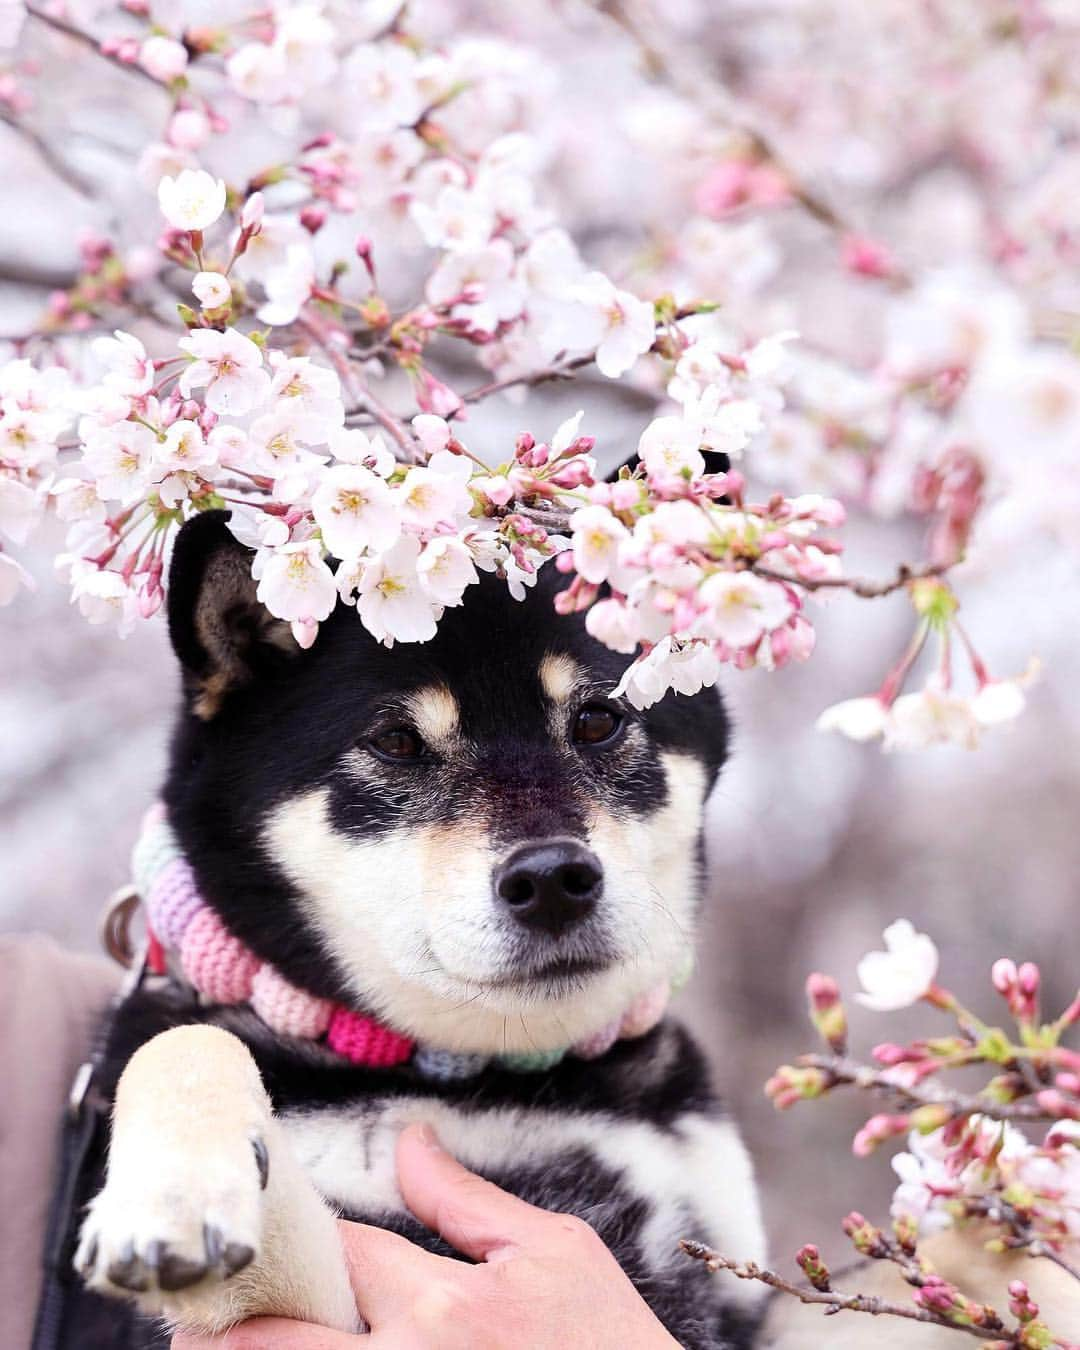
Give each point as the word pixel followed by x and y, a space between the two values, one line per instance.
pixel 543 1280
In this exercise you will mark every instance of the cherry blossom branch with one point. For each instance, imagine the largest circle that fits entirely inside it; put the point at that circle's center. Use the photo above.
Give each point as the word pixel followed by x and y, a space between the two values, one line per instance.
pixel 356 388
pixel 1000 1211
pixel 686 74
pixel 832 1300
pixel 89 41
pixel 866 588
pixel 51 158
pixel 529 380
pixel 840 1070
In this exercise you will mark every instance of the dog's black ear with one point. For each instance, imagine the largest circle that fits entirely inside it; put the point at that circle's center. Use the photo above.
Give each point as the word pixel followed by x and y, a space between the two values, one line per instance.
pixel 715 462
pixel 220 631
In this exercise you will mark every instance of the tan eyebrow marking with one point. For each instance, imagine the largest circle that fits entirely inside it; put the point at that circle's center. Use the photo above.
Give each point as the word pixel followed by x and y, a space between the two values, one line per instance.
pixel 560 677
pixel 435 711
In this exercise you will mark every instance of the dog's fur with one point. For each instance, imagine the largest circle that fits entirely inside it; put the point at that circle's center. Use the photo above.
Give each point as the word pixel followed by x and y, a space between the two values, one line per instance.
pixel 372 883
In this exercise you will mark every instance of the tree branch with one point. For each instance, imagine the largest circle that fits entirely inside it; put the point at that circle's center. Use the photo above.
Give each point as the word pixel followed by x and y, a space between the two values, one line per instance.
pixel 832 1301
pixel 51 157
pixel 865 587
pixel 997 1210
pixel 843 1071
pixel 89 41
pixel 530 379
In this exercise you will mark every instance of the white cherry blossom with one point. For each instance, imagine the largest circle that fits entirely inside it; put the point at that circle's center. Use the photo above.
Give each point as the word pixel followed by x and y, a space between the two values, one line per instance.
pixel 296 584
pixel 288 287
pixel 230 368
pixel 13 578
pixel 120 457
pixel 436 494
pixel 685 667
pixel 740 607
pixel 193 200
pixel 355 511
pixel 670 448
pixel 212 290
pixel 598 537
pixel 446 568
pixel 163 57
pixel 309 395
pixel 392 603
pixel 20 509
pixel 184 448
pixel 901 974
pixel 128 369
pixel 860 719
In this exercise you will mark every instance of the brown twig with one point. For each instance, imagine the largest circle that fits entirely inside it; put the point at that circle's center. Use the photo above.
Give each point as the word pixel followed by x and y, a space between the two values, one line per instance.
pixel 998 1210
pixel 865 587
pixel 51 158
pixel 841 1071
pixel 358 392
pixel 530 379
pixel 832 1301
pixel 89 41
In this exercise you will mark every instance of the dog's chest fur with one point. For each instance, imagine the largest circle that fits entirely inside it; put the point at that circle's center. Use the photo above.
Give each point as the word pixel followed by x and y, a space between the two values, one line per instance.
pixel 635 1143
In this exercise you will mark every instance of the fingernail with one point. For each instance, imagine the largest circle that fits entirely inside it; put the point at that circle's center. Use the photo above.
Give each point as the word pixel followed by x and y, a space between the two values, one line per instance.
pixel 427 1136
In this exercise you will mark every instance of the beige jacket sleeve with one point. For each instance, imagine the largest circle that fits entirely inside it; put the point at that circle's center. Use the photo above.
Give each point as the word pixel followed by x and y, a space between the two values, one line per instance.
pixel 50 1003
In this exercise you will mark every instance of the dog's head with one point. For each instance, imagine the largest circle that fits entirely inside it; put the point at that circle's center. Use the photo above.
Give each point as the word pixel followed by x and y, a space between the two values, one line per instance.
pixel 469 837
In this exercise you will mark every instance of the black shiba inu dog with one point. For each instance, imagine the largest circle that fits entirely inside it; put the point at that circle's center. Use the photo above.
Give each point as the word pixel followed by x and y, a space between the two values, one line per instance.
pixel 472 841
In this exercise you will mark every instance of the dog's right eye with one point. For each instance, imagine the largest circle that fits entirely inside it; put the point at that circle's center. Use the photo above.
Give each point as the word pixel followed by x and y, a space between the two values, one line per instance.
pixel 396 745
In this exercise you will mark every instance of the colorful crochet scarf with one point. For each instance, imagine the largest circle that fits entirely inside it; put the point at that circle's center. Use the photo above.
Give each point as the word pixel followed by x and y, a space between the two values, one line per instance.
pixel 223 970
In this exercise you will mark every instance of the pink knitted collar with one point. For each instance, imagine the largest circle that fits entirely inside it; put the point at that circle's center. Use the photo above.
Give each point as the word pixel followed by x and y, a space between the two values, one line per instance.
pixel 184 929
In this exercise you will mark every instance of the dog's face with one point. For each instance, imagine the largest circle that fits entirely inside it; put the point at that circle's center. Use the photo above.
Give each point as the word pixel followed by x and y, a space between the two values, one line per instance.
pixel 469 837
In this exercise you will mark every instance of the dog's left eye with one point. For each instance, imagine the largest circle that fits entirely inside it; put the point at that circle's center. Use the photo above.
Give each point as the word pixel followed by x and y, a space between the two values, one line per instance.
pixel 596 725
pixel 396 745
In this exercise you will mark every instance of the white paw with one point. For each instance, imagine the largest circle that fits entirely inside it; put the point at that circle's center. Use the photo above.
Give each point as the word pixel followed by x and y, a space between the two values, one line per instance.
pixel 173 1225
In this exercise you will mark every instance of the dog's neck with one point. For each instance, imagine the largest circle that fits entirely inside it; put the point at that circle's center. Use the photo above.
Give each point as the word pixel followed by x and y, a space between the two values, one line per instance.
pixel 199 949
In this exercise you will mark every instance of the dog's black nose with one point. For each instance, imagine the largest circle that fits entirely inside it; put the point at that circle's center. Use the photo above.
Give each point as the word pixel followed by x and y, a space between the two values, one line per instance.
pixel 550 885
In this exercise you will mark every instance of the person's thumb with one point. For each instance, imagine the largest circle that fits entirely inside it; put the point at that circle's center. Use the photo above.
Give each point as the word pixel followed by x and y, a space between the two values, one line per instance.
pixel 473 1215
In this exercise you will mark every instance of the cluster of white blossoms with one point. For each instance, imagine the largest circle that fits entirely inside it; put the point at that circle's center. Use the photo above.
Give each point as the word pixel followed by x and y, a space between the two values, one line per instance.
pixel 319 396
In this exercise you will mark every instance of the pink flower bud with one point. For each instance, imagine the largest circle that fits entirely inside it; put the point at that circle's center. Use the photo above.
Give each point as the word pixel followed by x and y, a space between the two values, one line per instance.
pixel 1028 978
pixel 148 601
pixel 313 218
pixel 188 129
pixel 876 1131
pixel 122 49
pixel 252 214
pixel 1003 975
pixel 625 494
pixel 577 473
pixel 436 397
pixel 363 251
pixel 891 1054
pixel 305 631
pixel 809 1261
pixel 1055 1103
pixel 866 257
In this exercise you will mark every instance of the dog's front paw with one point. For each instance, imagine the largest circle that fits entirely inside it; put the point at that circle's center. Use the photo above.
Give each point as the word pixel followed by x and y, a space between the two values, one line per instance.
pixel 171 1226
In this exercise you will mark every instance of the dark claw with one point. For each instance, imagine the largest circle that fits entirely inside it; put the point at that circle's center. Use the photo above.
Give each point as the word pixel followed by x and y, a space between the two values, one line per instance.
pixel 262 1158
pixel 177 1272
pixel 213 1242
pixel 128 1272
pixel 237 1256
